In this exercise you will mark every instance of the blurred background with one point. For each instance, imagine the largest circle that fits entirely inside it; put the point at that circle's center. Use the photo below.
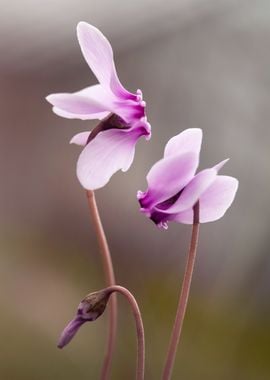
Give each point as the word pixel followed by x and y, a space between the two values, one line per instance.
pixel 200 63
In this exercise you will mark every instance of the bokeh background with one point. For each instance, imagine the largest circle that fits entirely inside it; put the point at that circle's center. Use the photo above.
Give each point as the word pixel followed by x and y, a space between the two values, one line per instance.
pixel 200 63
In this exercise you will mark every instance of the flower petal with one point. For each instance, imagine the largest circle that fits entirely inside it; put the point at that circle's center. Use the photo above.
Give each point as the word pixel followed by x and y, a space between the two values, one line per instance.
pixel 189 140
pixel 107 153
pixel 220 165
pixel 193 191
pixel 98 53
pixel 69 331
pixel 167 177
pixel 70 115
pixel 80 139
pixel 214 202
pixel 84 104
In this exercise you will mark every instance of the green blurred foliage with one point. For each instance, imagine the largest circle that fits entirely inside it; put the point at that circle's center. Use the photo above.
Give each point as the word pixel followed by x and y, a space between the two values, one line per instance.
pixel 223 337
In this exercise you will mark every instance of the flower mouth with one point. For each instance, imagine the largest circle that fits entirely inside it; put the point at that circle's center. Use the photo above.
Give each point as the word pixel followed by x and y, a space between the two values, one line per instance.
pixel 169 202
pixel 160 219
pixel 157 213
pixel 112 121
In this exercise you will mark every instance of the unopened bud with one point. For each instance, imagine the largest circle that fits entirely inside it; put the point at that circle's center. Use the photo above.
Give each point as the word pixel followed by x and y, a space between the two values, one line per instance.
pixel 93 305
pixel 89 309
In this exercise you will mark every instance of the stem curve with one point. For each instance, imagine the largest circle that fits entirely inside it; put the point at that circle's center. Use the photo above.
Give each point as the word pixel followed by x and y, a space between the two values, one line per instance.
pixel 110 280
pixel 139 328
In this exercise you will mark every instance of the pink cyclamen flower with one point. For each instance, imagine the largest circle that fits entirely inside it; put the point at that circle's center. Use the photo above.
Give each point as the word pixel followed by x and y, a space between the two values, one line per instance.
pixel 174 188
pixel 111 145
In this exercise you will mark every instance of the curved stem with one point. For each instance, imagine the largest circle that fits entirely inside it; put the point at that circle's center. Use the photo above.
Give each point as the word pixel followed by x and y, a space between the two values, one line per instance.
pixel 139 328
pixel 182 304
pixel 110 280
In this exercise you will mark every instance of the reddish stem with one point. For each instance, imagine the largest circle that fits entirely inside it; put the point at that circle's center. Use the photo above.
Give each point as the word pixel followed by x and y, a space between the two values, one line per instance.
pixel 139 328
pixel 110 280
pixel 182 304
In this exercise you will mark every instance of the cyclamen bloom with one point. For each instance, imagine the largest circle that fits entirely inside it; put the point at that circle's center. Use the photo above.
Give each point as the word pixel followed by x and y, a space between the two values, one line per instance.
pixel 111 145
pixel 174 188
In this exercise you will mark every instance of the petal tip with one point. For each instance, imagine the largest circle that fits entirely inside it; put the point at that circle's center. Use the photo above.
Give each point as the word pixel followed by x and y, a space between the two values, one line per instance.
pixel 49 98
pixel 81 25
pixel 220 164
pixel 71 141
pixel 188 140
pixel 163 225
pixel 85 27
pixel 195 131
pixel 140 194
pixel 60 345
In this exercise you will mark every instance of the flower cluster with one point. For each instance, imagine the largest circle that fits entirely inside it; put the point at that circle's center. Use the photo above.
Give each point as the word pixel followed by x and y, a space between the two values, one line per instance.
pixel 173 187
pixel 175 191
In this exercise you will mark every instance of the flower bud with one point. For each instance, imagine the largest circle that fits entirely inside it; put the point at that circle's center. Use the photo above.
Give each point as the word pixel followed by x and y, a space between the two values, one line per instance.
pixel 89 309
pixel 93 305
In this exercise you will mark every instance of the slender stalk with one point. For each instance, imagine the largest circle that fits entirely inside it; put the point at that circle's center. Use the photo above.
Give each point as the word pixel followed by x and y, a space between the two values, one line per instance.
pixel 182 303
pixel 110 280
pixel 139 328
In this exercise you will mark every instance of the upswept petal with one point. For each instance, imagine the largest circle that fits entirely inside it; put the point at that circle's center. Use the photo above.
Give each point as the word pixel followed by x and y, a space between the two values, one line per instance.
pixel 189 140
pixel 167 177
pixel 76 104
pixel 99 94
pixel 70 115
pixel 92 102
pixel 87 103
pixel 107 153
pixel 80 139
pixel 194 189
pixel 214 202
pixel 98 53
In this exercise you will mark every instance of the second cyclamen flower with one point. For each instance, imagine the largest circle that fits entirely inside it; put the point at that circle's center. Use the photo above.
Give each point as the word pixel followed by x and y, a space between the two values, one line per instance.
pixel 111 145
pixel 173 187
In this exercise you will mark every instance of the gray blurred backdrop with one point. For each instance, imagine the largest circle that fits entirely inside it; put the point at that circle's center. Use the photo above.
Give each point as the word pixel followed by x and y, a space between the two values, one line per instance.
pixel 200 63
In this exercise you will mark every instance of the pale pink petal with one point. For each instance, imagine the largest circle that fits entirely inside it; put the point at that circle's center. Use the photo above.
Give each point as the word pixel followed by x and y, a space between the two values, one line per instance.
pixel 101 95
pixel 76 104
pixel 189 140
pixel 167 177
pixel 194 189
pixel 98 53
pixel 107 153
pixel 220 165
pixel 69 115
pixel 92 102
pixel 80 139
pixel 214 202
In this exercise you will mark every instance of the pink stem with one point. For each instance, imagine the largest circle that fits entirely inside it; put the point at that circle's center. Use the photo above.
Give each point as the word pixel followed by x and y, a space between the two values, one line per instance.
pixel 182 304
pixel 110 280
pixel 139 328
